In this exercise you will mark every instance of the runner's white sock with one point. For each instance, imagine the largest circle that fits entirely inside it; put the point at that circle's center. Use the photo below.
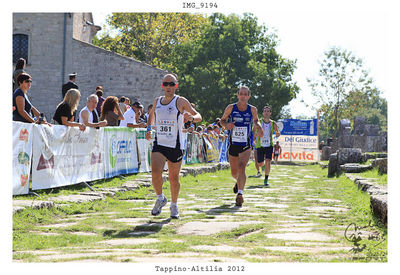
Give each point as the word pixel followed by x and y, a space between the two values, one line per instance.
pixel 173 203
pixel 160 196
pixel 240 192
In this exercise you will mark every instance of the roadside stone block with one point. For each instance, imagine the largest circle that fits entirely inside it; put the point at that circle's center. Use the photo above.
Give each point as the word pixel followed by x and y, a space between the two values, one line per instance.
pixel 379 207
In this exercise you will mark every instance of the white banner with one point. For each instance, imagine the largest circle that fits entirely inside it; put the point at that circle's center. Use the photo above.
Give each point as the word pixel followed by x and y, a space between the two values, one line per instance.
pixel 299 148
pixel 120 151
pixel 144 148
pixel 65 155
pixel 22 156
pixel 309 142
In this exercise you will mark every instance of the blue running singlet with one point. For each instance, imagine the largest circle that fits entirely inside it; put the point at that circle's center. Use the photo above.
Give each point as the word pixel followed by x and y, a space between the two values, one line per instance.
pixel 241 134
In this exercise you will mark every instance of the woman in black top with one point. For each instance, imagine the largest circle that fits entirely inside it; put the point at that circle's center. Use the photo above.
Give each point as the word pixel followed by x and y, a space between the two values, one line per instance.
pixel 22 107
pixel 66 110
pixel 19 68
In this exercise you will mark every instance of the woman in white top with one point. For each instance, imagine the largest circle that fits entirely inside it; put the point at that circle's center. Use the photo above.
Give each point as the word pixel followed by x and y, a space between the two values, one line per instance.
pixel 169 114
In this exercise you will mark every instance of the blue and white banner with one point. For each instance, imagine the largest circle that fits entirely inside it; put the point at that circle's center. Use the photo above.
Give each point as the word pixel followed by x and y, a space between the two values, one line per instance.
pixel 303 127
pixel 22 156
pixel 120 151
pixel 298 140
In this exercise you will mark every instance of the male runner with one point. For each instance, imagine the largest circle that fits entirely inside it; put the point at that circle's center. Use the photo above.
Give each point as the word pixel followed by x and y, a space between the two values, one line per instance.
pixel 239 118
pixel 169 114
pixel 277 152
pixel 265 143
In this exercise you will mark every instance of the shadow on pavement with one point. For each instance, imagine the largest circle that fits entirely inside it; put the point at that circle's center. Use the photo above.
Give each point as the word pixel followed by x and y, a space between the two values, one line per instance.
pixel 141 230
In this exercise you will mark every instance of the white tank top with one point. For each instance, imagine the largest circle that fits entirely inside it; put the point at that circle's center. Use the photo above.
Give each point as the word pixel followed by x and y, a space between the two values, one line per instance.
pixel 266 139
pixel 90 119
pixel 169 124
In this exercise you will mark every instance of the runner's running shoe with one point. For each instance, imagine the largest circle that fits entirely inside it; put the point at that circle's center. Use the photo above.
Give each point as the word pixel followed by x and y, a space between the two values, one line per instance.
pixel 258 175
pixel 239 200
pixel 174 211
pixel 266 183
pixel 158 205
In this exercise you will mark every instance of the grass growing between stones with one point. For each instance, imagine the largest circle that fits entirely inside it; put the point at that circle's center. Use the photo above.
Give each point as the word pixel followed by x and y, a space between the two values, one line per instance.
pixel 77 188
pixel 379 178
pixel 299 197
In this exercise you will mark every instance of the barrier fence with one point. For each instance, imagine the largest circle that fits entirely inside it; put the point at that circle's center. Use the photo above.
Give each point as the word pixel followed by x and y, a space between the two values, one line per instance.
pixel 61 156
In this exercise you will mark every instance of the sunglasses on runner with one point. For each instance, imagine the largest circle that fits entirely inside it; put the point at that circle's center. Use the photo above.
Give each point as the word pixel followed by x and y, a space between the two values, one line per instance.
pixel 172 84
pixel 28 81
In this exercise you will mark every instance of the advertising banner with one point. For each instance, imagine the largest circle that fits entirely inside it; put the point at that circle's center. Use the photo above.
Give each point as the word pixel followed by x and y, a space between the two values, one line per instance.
pixel 212 148
pixel 194 149
pixel 298 140
pixel 120 151
pixel 303 127
pixel 66 155
pixel 223 150
pixel 22 156
pixel 144 149
pixel 298 154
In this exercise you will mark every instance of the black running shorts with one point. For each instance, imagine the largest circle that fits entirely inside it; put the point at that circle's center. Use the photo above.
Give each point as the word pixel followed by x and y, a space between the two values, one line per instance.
pixel 235 150
pixel 264 153
pixel 172 154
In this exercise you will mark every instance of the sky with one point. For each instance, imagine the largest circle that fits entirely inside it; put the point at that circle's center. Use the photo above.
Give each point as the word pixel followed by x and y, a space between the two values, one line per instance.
pixel 305 34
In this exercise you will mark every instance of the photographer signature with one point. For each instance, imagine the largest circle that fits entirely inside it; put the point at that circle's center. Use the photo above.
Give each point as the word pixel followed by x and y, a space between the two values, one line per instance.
pixel 354 234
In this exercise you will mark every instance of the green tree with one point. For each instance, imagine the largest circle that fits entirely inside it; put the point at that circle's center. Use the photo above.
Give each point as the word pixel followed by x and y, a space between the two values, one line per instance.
pixel 149 37
pixel 233 51
pixel 344 89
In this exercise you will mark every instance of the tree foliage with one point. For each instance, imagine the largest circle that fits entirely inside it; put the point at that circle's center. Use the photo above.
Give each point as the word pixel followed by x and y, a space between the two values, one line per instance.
pixel 345 90
pixel 150 37
pixel 233 51
pixel 212 56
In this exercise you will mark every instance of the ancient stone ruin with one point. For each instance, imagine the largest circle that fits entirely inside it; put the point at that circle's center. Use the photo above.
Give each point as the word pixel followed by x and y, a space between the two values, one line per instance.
pixel 366 137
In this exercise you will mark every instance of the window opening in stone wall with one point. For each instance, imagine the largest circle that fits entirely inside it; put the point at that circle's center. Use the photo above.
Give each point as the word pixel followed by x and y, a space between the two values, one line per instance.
pixel 20 47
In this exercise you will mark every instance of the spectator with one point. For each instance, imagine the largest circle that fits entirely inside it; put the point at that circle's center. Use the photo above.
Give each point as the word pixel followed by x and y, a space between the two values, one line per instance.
pixel 19 68
pixel 127 102
pixel 122 104
pixel 146 116
pixel 89 116
pixel 321 145
pixel 111 111
pixel 138 107
pixel 70 84
pixel 130 119
pixel 66 110
pixel 99 93
pixel 22 107
pixel 217 122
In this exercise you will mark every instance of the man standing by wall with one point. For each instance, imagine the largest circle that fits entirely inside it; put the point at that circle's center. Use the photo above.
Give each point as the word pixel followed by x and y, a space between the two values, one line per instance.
pixel 69 85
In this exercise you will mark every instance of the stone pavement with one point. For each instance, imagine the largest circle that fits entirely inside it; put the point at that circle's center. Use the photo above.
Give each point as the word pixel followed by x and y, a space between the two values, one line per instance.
pixel 293 220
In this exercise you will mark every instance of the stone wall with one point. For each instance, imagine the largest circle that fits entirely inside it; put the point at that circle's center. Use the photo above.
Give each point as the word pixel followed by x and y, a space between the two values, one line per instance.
pixel 45 34
pixel 117 74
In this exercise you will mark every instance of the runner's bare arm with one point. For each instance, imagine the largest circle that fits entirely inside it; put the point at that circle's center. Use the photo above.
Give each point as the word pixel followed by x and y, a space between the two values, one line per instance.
pixel 150 120
pixel 225 116
pixel 191 114
pixel 277 133
pixel 256 122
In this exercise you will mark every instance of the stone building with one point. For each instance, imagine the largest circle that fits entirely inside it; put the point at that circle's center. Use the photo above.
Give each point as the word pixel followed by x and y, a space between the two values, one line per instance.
pixel 56 44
